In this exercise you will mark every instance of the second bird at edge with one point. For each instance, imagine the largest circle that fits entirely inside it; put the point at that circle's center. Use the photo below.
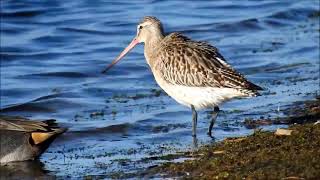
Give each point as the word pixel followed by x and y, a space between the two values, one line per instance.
pixel 193 73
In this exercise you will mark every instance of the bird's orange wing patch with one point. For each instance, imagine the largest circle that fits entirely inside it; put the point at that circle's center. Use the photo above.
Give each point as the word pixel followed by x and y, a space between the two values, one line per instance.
pixel 39 137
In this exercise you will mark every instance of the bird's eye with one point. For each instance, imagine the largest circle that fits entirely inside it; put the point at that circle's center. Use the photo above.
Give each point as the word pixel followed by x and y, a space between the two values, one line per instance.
pixel 140 27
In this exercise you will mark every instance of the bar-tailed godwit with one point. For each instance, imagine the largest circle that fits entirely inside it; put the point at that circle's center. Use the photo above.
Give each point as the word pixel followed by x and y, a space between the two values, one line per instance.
pixel 193 73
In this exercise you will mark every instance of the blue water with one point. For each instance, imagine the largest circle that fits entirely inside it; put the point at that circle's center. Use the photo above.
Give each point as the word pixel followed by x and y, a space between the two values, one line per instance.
pixel 52 54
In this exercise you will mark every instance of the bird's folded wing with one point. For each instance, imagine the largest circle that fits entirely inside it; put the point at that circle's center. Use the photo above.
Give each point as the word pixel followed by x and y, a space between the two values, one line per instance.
pixel 21 124
pixel 182 61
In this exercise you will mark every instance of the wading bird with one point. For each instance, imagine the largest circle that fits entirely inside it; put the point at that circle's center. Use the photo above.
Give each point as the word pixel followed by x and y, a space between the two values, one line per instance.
pixel 193 73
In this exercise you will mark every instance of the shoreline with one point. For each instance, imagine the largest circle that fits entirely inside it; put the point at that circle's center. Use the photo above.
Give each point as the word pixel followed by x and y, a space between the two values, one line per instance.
pixel 263 154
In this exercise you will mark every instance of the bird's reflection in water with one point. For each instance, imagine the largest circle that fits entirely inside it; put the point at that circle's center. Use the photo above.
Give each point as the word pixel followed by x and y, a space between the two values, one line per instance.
pixel 24 170
pixel 195 143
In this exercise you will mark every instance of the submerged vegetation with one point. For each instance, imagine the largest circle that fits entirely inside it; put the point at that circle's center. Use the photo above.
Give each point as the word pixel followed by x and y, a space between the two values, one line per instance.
pixel 124 98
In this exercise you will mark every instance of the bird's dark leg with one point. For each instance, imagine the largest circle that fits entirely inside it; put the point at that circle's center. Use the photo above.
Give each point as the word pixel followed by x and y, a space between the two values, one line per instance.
pixel 194 121
pixel 195 142
pixel 213 119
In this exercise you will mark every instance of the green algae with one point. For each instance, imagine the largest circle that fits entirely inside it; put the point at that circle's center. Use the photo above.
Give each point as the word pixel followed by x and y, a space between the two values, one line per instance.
pixel 262 155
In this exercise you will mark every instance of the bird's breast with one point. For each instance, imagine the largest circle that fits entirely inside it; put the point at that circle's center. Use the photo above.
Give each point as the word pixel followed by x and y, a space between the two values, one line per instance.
pixel 199 97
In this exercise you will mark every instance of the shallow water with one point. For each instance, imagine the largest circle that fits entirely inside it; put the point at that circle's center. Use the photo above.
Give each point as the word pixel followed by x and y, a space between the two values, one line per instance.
pixel 52 54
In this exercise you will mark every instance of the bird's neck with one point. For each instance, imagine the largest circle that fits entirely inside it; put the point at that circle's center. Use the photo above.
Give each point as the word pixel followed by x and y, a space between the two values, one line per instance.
pixel 150 49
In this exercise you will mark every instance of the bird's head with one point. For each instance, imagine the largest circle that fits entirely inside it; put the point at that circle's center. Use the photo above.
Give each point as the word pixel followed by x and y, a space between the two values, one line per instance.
pixel 149 28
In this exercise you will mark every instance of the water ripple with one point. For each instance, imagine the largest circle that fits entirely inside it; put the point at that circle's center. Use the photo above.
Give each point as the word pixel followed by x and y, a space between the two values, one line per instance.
pixel 52 53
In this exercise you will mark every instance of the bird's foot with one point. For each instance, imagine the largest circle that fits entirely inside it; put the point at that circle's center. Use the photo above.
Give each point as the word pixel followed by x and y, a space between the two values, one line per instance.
pixel 210 134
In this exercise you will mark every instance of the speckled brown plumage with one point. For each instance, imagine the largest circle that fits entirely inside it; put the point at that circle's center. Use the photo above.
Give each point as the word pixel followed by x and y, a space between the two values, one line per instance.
pixel 181 61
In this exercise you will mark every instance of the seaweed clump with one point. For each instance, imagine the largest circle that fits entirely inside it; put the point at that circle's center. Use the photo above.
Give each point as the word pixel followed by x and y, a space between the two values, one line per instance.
pixel 262 155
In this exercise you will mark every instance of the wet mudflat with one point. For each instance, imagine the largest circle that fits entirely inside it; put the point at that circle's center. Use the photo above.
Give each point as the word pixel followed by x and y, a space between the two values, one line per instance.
pixel 262 155
pixel 52 54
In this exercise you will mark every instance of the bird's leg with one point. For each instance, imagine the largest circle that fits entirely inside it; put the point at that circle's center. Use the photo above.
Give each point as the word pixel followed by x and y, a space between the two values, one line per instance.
pixel 213 119
pixel 195 142
pixel 194 120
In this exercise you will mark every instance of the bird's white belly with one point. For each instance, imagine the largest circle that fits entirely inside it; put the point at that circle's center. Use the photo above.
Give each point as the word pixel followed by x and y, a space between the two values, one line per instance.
pixel 199 97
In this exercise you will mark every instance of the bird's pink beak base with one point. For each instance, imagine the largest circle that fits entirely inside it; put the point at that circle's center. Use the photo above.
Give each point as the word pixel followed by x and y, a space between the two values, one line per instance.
pixel 133 43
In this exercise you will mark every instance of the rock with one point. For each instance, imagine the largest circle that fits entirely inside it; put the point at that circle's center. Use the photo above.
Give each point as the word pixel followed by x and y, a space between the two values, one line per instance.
pixel 283 132
pixel 218 152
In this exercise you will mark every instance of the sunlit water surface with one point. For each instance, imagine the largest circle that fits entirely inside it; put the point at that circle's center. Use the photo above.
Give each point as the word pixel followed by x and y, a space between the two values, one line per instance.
pixel 52 54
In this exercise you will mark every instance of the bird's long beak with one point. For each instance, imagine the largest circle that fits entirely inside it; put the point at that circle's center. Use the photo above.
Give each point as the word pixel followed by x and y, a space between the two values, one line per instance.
pixel 133 43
